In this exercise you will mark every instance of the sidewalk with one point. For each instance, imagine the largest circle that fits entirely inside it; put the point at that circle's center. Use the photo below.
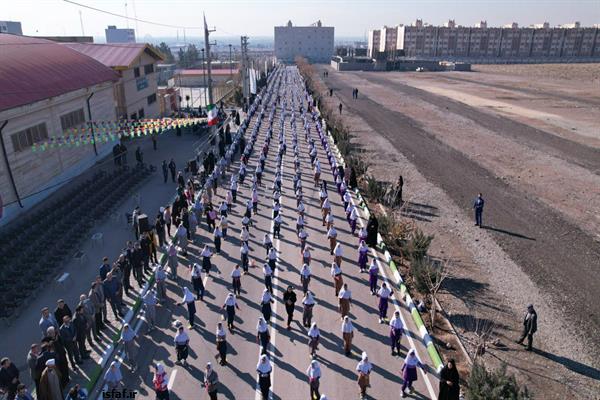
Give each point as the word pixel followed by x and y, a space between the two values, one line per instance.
pixel 151 195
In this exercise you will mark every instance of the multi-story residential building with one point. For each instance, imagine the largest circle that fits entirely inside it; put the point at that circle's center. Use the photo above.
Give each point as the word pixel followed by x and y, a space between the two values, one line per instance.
pixel 486 44
pixel 43 101
pixel 119 35
pixel 373 43
pixel 12 27
pixel 314 42
pixel 136 90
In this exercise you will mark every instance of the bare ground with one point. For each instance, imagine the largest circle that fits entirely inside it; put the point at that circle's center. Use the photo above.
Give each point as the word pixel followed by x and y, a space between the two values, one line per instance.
pixel 499 270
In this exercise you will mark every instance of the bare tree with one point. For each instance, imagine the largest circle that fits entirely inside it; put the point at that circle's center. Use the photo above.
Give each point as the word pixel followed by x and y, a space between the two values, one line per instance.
pixel 435 274
pixel 483 330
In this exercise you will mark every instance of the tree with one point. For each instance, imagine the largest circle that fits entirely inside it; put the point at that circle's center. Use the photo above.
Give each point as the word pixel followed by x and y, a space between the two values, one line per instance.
pixel 191 54
pixel 484 384
pixel 165 50
pixel 182 56
pixel 429 276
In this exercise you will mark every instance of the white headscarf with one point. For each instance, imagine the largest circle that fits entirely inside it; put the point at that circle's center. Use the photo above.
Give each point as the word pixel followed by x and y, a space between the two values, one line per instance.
pixel 314 330
pixel 220 331
pixel 411 359
pixel 305 270
pixel 308 299
pixel 230 300
pixel 396 321
pixel 112 375
pixel 347 325
pixel 182 336
pixel 160 370
pixel 266 297
pixel 261 326
pixel 188 297
pixel 264 365
pixel 314 369
pixel 364 365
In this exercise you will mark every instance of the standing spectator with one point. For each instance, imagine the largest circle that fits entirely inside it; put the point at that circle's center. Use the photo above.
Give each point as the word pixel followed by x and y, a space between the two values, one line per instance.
pixel 161 382
pixel 165 170
pixel 409 371
pixel 69 340
pixel 159 226
pixel 9 378
pixel 449 382
pixel 61 311
pixel 167 218
pixel 113 377
pixel 138 258
pixel 289 298
pixel 111 291
pixel 32 359
pixel 173 169
pixel 22 393
pixel 99 301
pixel 51 386
pixel 104 268
pixel 182 341
pixel 150 309
pixel 211 380
pixel 89 312
pixel 221 339
pixel 139 157
pixel 47 320
pixel 80 323
pixel 478 206
pixel 314 376
pixel 363 370
pixel 128 336
pixel 529 327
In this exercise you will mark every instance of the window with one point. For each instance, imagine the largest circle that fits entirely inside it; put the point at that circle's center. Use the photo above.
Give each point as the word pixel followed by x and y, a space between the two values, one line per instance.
pixel 148 69
pixel 136 72
pixel 152 98
pixel 26 138
pixel 72 120
pixel 141 113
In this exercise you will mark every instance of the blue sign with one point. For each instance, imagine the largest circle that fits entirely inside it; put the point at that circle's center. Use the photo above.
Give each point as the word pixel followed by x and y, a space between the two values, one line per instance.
pixel 141 83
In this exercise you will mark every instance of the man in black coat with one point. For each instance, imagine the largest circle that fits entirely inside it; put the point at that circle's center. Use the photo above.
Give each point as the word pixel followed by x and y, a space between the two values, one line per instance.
pixel 9 377
pixel 61 311
pixel 80 323
pixel 173 169
pixel 372 229
pixel 529 327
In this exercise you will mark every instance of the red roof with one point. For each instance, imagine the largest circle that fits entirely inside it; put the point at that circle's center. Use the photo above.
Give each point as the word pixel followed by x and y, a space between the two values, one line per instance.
pixel 217 72
pixel 114 55
pixel 35 69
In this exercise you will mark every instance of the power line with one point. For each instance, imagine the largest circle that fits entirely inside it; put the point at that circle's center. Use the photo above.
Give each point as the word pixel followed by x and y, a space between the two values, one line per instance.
pixel 131 18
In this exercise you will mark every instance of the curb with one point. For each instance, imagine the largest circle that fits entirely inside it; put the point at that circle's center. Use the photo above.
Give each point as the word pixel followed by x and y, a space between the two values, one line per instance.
pixel 425 337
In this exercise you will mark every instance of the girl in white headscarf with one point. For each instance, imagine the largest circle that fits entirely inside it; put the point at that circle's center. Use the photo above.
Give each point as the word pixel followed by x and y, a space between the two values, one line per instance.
pixel 396 330
pixel 305 277
pixel 409 371
pixel 128 336
pixel 161 382
pixel 265 304
pixel 264 368
pixel 363 258
pixel 230 305
pixel 308 302
pixel 206 254
pixel 113 377
pixel 313 339
pixel 262 334
pixel 221 343
pixel 188 299
pixel 347 335
pixel 181 341
pixel 314 376
pixel 363 369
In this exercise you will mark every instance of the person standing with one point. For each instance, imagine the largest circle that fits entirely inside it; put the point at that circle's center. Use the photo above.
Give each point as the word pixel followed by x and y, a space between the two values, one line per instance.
pixel 263 337
pixel 305 275
pixel 188 299
pixel 313 339
pixel 308 303
pixel 347 335
pixel 51 382
pixel 449 382
pixel 289 298
pixel 372 230
pixel 332 236
pixel 363 369
pixel 478 206
pixel 396 330
pixel 264 368
pixel 99 301
pixel 211 381
pixel 167 217
pixel 230 305
pixel 529 327
pixel 161 283
pixel 197 283
pixel 236 280
pixel 150 309
pixel 314 377
pixel 338 253
pixel 80 323
pixel 384 294
pixel 373 275
pixel 345 299
pixel 9 378
pixel 338 280
pixel 181 341
pixel 173 169
pixel 32 359
pixel 22 393
pixel 409 371
pixel 128 336
pixel 47 320
pixel 268 273
pixel 165 170
pixel 221 339
pixel 68 337
pixel 265 304
pixel 161 382
pixel 340 107
pixel 363 256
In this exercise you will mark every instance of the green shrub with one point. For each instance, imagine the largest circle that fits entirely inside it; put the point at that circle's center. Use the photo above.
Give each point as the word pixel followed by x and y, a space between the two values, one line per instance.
pixel 418 245
pixel 484 385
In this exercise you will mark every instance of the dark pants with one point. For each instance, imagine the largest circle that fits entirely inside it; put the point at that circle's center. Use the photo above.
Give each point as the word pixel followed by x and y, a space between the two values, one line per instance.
pixel 265 384
pixel 81 347
pixel 269 283
pixel 478 214
pixel 71 348
pixel 222 349
pixel 529 337
pixel 290 313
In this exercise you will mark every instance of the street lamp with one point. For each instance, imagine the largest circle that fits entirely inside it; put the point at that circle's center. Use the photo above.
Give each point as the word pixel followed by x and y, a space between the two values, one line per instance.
pixel 230 66
pixel 204 79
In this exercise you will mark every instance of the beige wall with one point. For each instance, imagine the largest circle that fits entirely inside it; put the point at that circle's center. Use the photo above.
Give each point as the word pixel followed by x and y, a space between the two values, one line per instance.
pixel 34 171
pixel 137 99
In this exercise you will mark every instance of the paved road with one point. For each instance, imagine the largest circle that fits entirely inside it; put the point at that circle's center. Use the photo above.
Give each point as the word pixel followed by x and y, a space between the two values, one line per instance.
pixel 556 254
pixel 289 350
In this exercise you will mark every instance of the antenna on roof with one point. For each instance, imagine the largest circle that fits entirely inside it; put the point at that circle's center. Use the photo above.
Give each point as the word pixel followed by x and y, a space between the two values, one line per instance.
pixel 81 22
pixel 136 21
pixel 126 16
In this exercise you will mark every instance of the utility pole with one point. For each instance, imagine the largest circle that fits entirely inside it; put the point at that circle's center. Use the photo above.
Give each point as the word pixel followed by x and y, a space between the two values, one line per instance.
pixel 244 68
pixel 230 66
pixel 204 79
pixel 207 45
pixel 81 22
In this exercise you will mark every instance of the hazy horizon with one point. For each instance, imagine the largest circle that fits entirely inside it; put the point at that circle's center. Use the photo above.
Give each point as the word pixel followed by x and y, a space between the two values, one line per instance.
pixel 351 18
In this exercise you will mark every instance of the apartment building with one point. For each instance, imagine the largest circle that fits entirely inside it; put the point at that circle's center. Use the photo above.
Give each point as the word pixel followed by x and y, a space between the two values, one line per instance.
pixel 314 42
pixel 373 43
pixel 119 35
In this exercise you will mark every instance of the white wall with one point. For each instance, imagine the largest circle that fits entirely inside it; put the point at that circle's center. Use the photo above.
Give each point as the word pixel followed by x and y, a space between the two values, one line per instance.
pixel 314 43
pixel 134 99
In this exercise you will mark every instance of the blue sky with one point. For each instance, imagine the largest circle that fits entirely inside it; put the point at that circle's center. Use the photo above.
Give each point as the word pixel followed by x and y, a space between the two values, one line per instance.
pixel 257 18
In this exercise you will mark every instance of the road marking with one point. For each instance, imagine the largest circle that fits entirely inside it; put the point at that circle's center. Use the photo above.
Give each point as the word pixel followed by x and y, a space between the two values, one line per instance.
pixel 172 379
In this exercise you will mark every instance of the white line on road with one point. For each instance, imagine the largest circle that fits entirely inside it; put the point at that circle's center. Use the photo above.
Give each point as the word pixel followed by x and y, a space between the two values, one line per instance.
pixel 172 379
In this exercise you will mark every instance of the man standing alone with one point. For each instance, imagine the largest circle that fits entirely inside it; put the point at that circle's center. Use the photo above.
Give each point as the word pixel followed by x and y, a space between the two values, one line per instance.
pixel 478 206
pixel 529 327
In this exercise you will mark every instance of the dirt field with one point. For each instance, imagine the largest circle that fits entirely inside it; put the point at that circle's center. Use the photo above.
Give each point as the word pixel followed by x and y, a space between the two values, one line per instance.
pixel 528 137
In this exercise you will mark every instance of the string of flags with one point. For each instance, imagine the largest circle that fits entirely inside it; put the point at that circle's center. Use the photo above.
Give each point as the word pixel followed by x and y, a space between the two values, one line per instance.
pixel 105 131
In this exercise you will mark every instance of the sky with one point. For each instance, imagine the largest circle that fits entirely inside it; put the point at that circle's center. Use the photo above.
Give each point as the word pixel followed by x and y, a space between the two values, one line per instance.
pixel 351 18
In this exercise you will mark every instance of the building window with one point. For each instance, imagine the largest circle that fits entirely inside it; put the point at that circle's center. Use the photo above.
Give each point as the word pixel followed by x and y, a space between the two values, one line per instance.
pixel 152 98
pixel 148 69
pixel 136 72
pixel 141 113
pixel 24 139
pixel 71 120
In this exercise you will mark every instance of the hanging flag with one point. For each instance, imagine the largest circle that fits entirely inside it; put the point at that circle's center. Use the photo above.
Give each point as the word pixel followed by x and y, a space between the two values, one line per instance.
pixel 212 114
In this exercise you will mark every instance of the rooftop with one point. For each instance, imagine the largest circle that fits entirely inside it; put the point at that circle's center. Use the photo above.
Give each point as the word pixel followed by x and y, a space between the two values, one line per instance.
pixel 34 69
pixel 115 55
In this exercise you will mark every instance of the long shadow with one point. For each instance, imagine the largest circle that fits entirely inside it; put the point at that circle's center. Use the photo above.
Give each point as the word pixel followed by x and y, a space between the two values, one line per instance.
pixel 514 234
pixel 464 288
pixel 573 365
pixel 470 323
pixel 246 377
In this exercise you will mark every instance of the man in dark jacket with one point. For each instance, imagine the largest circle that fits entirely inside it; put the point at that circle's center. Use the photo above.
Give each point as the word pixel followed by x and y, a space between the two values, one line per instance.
pixel 478 206
pixel 289 298
pixel 165 170
pixel 104 268
pixel 9 378
pixel 111 290
pixel 173 169
pixel 68 337
pixel 80 323
pixel 61 311
pixel 137 261
pixel 529 327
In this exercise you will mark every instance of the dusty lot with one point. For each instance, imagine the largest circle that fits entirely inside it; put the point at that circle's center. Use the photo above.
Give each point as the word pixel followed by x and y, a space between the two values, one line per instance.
pixel 529 139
